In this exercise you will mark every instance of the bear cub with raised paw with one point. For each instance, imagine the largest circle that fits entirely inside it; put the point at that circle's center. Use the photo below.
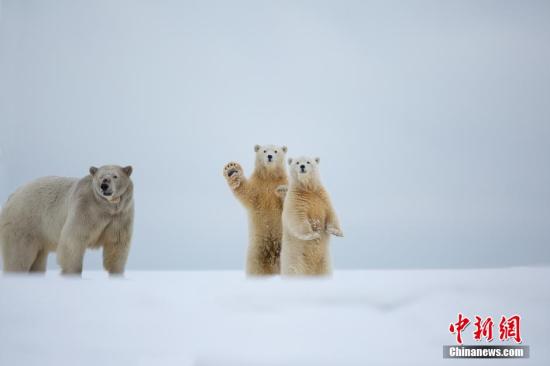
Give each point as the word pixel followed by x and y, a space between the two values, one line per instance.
pixel 262 195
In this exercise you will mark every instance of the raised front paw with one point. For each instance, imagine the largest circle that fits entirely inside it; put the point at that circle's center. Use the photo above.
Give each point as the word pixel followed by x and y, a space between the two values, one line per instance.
pixel 336 231
pixel 233 173
pixel 281 191
pixel 310 236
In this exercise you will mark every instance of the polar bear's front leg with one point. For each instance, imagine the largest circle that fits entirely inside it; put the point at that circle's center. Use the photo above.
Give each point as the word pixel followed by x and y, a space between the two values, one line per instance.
pixel 71 248
pixel 115 255
pixel 301 227
pixel 233 173
pixel 116 248
pixel 333 224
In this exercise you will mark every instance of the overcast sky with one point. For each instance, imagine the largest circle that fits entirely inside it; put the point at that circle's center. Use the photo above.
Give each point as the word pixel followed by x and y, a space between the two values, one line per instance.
pixel 432 119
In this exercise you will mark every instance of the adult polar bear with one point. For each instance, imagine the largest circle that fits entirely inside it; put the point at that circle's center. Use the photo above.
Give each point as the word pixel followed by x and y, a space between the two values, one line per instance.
pixel 69 215
pixel 262 195
pixel 308 220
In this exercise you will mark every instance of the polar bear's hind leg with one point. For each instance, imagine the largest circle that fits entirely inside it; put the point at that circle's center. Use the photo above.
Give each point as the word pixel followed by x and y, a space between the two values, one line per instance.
pixel 19 256
pixel 39 264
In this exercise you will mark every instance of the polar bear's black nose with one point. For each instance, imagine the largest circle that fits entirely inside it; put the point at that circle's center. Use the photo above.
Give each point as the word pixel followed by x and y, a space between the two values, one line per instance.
pixel 303 167
pixel 104 186
pixel 269 157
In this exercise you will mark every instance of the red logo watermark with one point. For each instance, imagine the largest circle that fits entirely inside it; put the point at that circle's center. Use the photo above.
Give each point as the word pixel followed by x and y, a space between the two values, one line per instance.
pixel 508 328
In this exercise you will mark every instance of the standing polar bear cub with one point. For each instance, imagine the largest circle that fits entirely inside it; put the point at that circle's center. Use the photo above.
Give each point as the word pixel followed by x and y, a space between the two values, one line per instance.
pixel 308 221
pixel 69 215
pixel 262 195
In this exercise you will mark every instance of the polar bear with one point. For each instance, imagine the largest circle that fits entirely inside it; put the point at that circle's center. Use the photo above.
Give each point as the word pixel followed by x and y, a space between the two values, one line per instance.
pixel 308 220
pixel 262 195
pixel 69 215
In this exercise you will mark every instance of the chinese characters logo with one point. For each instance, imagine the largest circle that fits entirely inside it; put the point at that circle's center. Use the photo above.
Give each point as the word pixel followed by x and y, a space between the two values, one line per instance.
pixel 508 328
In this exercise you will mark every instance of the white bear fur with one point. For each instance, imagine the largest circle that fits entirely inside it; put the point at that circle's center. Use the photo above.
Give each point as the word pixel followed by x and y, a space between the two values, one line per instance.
pixel 308 221
pixel 262 196
pixel 68 215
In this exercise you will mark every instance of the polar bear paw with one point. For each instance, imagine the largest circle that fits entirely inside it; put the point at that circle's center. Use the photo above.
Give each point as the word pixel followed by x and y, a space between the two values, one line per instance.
pixel 310 236
pixel 233 173
pixel 334 230
pixel 281 191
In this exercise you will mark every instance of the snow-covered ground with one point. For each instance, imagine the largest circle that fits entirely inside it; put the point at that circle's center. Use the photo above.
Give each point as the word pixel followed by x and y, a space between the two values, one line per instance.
pixel 386 317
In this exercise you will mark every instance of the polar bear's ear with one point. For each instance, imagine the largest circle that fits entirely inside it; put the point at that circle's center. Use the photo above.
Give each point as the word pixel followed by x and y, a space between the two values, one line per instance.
pixel 289 161
pixel 93 170
pixel 256 148
pixel 285 149
pixel 128 170
pixel 317 160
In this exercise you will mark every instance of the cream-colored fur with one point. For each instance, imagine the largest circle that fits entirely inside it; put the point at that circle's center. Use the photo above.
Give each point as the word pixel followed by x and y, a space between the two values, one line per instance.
pixel 308 221
pixel 68 215
pixel 262 195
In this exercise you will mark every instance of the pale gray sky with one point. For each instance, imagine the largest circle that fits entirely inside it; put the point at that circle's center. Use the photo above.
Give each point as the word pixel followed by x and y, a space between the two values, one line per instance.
pixel 432 119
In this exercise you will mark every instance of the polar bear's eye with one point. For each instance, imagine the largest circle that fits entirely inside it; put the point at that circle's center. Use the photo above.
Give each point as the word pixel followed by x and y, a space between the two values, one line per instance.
pixel 275 151
pixel 115 177
pixel 265 151
pixel 297 163
pixel 308 162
